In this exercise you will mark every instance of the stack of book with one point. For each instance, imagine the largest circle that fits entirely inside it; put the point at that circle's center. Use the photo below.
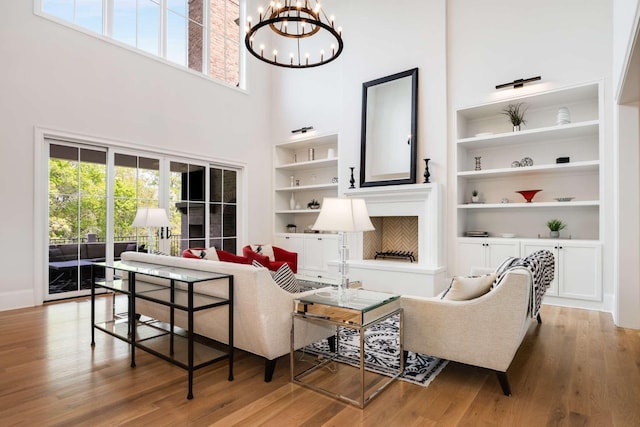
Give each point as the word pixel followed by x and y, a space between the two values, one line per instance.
pixel 477 234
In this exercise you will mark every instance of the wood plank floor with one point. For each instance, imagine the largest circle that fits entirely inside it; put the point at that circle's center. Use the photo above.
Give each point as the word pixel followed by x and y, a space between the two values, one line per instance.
pixel 576 368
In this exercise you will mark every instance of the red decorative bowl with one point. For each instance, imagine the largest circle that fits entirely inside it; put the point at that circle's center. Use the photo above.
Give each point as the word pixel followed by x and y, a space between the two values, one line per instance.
pixel 528 194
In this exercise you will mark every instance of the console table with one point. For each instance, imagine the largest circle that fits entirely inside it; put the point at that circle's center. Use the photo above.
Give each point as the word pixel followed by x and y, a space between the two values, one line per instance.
pixel 172 287
pixel 357 309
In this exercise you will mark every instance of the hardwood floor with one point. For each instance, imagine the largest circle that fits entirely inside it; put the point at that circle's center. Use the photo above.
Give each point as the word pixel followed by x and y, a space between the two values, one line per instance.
pixel 576 368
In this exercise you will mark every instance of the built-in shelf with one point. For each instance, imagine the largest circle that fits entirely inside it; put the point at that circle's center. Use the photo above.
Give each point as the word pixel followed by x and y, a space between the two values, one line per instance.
pixel 299 211
pixel 575 167
pixel 532 205
pixel 527 136
pixel 309 164
pixel 308 187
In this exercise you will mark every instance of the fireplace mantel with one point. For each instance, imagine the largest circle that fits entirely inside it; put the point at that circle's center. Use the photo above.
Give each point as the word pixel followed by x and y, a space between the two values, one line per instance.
pixel 426 277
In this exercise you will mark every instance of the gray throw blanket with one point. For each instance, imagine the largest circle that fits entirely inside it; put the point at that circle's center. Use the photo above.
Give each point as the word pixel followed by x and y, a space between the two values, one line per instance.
pixel 541 266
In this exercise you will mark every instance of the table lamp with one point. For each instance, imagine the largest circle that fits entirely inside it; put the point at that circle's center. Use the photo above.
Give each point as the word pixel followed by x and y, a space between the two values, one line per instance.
pixel 151 217
pixel 344 215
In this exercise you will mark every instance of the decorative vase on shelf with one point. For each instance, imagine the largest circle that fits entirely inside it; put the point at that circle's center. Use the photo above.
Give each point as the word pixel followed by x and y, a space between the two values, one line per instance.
pixel 516 128
pixel 426 171
pixel 478 163
pixel 563 117
pixel 528 194
pixel 292 202
pixel 554 234
pixel 352 180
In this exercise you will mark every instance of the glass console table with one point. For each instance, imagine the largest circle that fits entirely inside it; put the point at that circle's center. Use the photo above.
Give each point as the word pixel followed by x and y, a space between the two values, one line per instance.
pixel 168 342
pixel 356 309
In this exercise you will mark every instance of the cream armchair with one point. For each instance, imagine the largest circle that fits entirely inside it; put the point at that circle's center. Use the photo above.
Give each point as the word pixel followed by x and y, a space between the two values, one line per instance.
pixel 485 331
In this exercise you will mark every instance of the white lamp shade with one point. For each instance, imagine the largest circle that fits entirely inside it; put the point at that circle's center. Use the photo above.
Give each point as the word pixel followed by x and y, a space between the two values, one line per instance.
pixel 151 217
pixel 346 215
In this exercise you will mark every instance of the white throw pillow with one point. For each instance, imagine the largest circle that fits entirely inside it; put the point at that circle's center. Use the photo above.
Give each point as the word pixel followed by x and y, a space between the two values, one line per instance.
pixel 211 254
pixel 266 250
pixel 466 288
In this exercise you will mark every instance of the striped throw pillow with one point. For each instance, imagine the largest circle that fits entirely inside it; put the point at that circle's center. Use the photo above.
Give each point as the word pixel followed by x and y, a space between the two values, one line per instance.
pixel 285 278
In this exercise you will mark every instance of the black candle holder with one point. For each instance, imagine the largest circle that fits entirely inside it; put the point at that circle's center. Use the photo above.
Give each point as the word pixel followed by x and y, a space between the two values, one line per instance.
pixel 426 171
pixel 352 181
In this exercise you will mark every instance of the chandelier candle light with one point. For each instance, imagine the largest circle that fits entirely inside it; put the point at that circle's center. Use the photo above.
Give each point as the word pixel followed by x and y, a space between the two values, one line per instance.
pixel 344 216
pixel 293 25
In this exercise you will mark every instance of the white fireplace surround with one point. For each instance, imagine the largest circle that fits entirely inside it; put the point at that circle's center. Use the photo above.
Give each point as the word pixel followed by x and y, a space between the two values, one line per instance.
pixel 425 277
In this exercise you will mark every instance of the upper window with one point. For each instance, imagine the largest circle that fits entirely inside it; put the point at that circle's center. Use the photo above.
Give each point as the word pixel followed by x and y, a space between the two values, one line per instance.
pixel 199 34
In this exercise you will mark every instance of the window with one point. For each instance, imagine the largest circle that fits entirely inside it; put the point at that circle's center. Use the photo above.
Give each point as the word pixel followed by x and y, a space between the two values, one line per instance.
pixel 190 206
pixel 202 35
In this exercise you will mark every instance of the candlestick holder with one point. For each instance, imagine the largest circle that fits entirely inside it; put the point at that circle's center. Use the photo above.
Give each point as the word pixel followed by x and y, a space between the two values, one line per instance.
pixel 426 171
pixel 352 181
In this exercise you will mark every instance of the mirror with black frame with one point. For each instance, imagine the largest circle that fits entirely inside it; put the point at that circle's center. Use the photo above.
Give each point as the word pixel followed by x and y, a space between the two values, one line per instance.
pixel 389 130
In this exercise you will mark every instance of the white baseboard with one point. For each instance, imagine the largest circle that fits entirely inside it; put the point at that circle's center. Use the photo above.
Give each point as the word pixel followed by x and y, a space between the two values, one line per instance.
pixel 605 305
pixel 16 299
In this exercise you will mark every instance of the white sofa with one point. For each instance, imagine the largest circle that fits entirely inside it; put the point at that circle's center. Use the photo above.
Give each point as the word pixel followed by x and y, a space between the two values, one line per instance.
pixel 262 310
pixel 485 331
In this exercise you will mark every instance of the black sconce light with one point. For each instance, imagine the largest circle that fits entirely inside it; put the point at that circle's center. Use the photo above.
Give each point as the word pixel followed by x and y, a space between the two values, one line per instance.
pixel 303 129
pixel 519 82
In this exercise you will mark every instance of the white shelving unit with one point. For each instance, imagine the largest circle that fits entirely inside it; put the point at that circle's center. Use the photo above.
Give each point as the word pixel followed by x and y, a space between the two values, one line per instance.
pixel 312 179
pixel 482 131
pixel 515 227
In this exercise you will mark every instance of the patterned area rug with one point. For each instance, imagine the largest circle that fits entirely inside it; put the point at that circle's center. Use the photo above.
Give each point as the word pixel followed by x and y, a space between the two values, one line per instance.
pixel 381 353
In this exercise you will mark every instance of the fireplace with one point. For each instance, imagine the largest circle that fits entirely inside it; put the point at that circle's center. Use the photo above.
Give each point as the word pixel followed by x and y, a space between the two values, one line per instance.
pixel 395 238
pixel 407 218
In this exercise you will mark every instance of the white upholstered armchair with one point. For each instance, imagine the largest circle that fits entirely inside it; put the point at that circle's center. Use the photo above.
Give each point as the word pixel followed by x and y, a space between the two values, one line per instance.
pixel 484 331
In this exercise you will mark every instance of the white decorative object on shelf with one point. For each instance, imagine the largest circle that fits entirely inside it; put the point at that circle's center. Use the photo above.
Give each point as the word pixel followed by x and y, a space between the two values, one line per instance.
pixel 292 202
pixel 563 117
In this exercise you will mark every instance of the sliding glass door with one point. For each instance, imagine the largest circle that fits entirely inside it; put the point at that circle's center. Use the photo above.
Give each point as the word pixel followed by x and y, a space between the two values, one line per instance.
pixel 95 192
pixel 77 216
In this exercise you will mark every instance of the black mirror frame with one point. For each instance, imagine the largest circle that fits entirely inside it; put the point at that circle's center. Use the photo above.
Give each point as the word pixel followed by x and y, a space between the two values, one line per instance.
pixel 413 73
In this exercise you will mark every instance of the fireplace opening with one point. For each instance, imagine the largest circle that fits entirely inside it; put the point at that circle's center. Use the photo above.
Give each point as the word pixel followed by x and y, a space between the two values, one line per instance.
pixel 394 238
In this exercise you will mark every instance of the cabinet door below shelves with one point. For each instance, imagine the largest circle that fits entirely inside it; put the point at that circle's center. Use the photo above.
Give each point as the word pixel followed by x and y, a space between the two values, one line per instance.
pixel 470 255
pixel 530 247
pixel 313 254
pixel 291 243
pixel 318 251
pixel 498 251
pixel 578 271
pixel 486 253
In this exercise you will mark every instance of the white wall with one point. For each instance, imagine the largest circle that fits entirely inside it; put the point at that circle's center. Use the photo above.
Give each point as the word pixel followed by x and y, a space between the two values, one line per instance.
pixel 381 38
pixel 498 41
pixel 626 71
pixel 58 78
pixel 625 15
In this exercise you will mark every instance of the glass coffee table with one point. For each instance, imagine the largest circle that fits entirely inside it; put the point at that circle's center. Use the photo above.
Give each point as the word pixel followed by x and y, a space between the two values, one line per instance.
pixel 355 380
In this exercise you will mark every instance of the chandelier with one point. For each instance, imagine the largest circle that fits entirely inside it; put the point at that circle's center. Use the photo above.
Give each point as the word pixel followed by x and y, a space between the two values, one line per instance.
pixel 301 35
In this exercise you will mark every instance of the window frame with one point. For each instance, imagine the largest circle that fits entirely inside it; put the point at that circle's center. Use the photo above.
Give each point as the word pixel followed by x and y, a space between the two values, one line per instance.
pixel 44 136
pixel 107 32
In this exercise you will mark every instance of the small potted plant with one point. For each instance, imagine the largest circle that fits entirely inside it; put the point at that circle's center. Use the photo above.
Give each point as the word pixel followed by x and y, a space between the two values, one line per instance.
pixel 313 204
pixel 555 225
pixel 515 112
pixel 474 196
